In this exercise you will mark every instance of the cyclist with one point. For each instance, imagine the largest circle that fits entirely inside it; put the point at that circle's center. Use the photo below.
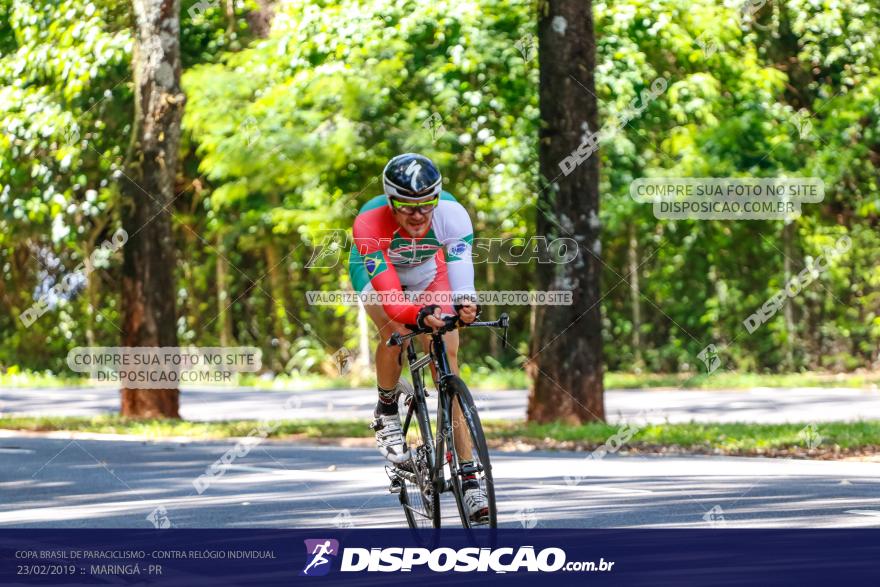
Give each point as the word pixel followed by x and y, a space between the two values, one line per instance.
pixel 418 238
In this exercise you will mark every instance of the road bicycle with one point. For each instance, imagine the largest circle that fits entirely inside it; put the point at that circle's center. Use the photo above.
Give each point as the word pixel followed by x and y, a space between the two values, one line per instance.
pixel 435 466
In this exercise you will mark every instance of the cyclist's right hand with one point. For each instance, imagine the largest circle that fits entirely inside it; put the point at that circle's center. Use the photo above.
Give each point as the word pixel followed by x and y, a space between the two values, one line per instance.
pixel 429 317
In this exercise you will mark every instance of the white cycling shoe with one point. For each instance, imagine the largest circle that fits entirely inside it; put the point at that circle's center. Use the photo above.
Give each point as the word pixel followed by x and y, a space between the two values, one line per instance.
pixel 389 434
pixel 476 505
pixel 389 438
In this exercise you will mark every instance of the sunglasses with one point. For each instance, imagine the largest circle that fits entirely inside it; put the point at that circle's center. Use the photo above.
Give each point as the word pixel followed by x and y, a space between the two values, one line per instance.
pixel 410 208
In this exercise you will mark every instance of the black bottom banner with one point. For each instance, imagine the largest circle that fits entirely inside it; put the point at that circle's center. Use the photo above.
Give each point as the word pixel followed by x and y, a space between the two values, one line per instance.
pixel 370 556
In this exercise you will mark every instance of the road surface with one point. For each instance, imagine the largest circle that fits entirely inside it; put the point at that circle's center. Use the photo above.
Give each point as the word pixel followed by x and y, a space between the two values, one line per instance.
pixel 48 482
pixel 754 405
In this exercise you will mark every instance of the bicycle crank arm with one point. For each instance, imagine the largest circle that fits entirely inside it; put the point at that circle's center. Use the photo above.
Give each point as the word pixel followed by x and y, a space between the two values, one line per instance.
pixel 398 475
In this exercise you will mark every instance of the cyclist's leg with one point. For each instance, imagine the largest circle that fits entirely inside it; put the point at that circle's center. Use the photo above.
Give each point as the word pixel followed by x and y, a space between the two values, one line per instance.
pixel 459 427
pixel 463 442
pixel 474 496
pixel 441 287
pixel 388 363
pixel 386 423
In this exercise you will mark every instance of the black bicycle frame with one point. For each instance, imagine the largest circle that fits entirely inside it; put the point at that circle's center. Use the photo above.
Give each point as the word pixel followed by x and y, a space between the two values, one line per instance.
pixel 419 394
pixel 437 355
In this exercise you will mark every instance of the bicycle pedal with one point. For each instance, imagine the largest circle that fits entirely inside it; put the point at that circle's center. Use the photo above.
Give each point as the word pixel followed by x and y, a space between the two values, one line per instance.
pixel 470 469
pixel 481 519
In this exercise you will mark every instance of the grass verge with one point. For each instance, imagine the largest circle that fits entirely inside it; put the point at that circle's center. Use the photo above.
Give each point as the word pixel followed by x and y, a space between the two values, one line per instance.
pixel 734 380
pixel 823 440
pixel 508 379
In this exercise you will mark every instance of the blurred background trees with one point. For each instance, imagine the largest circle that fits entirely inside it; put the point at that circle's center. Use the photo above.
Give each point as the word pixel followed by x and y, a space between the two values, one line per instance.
pixel 286 130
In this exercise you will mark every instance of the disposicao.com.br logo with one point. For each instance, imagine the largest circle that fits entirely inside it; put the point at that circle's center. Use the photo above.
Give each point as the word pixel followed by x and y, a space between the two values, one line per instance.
pixel 441 560
pixel 319 554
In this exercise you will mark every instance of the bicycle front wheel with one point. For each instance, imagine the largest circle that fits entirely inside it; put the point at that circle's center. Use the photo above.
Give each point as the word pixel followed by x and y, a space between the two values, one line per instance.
pixel 420 501
pixel 473 463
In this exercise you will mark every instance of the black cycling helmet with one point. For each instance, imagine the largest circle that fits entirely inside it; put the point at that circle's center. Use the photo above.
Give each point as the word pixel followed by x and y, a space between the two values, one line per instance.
pixel 411 177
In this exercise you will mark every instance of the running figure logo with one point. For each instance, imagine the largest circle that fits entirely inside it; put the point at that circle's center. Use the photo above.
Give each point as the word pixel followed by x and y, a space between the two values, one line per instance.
pixel 317 553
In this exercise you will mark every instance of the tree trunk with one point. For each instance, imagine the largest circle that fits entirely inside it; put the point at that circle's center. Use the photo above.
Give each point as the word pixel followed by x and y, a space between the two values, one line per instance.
pixel 148 289
pixel 787 309
pixel 230 17
pixel 634 295
pixel 224 308
pixel 280 323
pixel 92 299
pixel 191 304
pixel 260 20
pixel 566 353
pixel 91 282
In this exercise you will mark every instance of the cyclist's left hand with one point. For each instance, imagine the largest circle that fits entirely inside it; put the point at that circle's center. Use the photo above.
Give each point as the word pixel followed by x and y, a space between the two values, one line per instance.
pixel 468 312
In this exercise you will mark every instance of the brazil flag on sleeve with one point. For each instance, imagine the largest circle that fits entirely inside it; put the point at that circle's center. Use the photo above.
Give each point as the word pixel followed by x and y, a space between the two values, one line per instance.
pixel 375 264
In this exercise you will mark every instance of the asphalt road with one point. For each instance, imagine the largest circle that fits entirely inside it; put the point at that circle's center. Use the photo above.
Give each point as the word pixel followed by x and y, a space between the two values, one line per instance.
pixel 46 482
pixel 753 405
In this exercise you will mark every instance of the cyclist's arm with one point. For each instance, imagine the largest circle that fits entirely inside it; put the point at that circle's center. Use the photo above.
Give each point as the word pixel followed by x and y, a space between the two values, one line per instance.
pixel 383 276
pixel 458 240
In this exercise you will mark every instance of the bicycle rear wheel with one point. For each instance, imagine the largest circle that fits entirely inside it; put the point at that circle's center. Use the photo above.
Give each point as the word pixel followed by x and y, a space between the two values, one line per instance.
pixel 420 501
pixel 477 462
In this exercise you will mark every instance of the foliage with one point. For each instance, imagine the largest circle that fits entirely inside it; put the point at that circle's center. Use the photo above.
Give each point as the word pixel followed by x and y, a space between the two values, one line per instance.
pixel 287 135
